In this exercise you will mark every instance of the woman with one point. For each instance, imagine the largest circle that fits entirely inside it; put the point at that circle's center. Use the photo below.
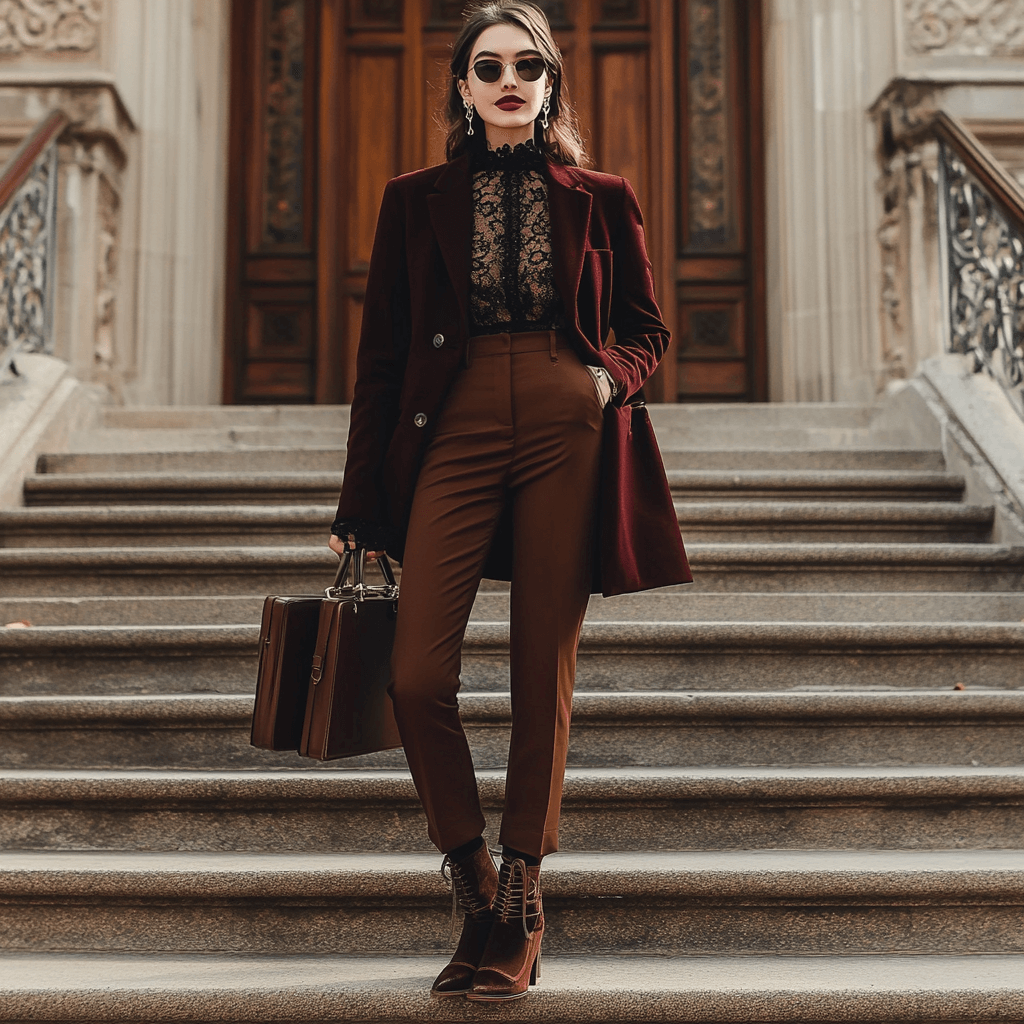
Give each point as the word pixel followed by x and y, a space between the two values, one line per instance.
pixel 475 443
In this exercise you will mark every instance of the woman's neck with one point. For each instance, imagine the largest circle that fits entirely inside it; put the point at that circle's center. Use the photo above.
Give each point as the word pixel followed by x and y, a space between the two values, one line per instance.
pixel 497 137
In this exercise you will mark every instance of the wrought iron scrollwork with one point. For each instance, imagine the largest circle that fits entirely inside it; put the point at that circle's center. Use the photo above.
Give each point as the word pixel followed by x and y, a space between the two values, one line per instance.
pixel 985 262
pixel 27 255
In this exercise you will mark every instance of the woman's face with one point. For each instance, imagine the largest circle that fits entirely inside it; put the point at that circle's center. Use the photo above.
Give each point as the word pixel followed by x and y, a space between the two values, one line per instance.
pixel 506 43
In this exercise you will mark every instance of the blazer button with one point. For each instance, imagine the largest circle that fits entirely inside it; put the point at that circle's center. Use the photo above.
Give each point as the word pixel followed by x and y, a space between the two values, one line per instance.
pixel 438 340
pixel 420 419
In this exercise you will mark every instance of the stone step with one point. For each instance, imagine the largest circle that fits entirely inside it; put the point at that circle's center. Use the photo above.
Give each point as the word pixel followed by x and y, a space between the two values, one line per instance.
pixel 222 452
pixel 719 903
pixel 232 417
pixel 305 488
pixel 709 417
pixel 814 485
pixel 597 989
pixel 238 438
pixel 697 453
pixel 868 522
pixel 713 521
pixel 612 656
pixel 610 809
pixel 665 728
pixel 227 571
pixel 171 525
pixel 730 437
pixel 322 487
pixel 724 440
pixel 493 605
pixel 312 458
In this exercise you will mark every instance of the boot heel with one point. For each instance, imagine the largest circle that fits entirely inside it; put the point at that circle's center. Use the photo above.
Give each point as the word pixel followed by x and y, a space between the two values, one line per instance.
pixel 511 961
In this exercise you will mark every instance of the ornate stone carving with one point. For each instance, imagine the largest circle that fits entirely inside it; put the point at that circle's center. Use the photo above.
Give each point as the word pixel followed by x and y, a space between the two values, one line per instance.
pixel 27 253
pixel 905 113
pixel 108 211
pixel 985 262
pixel 907 152
pixel 982 28
pixel 49 25
pixel 891 235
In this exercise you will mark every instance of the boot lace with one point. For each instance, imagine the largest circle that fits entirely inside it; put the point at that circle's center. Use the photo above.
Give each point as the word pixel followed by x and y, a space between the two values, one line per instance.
pixel 465 895
pixel 511 898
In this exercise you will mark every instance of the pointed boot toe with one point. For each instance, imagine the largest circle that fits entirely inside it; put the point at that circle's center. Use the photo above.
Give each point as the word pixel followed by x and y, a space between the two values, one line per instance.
pixel 474 883
pixel 454 980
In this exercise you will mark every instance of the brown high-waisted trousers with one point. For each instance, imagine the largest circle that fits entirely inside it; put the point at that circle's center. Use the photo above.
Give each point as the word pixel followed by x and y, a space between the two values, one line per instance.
pixel 522 422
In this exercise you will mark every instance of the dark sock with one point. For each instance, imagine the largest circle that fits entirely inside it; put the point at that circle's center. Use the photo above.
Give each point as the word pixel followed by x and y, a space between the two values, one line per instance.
pixel 508 853
pixel 466 849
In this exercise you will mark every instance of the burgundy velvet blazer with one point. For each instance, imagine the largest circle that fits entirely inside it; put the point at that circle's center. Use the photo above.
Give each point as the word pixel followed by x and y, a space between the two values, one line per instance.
pixel 417 291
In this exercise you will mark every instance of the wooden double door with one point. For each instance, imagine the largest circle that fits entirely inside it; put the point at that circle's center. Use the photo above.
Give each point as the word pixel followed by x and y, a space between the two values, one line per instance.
pixel 331 98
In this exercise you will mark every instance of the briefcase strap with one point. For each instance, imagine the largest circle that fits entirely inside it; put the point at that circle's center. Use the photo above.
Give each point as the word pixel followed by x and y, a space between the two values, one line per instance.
pixel 320 651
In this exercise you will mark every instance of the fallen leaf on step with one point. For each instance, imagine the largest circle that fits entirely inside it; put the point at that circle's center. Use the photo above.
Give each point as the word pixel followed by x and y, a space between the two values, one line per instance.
pixel 20 624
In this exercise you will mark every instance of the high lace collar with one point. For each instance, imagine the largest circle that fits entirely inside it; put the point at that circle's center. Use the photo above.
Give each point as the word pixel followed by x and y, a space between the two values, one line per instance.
pixel 523 156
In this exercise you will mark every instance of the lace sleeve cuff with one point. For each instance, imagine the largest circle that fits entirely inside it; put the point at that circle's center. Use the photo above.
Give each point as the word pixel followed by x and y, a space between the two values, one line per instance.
pixel 367 534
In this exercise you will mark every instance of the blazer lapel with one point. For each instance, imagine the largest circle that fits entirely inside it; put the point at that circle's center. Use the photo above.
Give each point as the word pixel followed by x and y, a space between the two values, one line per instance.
pixel 570 204
pixel 451 216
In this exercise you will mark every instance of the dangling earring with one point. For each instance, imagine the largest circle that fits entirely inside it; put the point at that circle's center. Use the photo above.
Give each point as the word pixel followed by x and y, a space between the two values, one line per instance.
pixel 544 114
pixel 469 116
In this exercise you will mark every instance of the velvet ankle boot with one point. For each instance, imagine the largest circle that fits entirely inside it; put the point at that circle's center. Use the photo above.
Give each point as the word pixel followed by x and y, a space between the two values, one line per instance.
pixel 511 960
pixel 474 882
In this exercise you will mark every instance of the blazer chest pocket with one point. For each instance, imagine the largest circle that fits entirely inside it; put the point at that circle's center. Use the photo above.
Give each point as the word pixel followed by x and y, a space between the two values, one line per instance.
pixel 596 289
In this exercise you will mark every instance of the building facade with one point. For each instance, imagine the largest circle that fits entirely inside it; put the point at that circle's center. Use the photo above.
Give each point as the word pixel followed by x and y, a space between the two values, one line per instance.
pixel 218 181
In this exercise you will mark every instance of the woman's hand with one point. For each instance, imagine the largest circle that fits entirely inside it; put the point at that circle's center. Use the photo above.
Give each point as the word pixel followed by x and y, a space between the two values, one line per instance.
pixel 339 546
pixel 602 381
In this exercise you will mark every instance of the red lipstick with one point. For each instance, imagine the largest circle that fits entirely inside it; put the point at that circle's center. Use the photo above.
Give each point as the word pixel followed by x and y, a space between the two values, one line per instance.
pixel 509 103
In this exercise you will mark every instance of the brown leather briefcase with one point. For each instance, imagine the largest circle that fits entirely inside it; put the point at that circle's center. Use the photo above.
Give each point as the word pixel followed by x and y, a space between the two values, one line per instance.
pixel 348 709
pixel 287 644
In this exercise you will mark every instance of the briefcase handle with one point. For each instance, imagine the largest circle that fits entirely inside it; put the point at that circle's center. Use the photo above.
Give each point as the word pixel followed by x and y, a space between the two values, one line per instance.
pixel 358 590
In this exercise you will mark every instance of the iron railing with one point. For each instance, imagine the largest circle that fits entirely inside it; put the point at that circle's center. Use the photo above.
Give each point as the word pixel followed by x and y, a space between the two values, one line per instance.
pixel 981 227
pixel 28 222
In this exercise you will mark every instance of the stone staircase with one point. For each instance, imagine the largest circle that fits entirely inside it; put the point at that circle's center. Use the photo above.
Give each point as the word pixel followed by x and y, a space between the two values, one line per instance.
pixel 795 789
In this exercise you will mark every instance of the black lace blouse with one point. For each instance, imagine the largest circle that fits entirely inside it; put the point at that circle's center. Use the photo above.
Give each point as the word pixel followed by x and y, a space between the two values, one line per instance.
pixel 512 285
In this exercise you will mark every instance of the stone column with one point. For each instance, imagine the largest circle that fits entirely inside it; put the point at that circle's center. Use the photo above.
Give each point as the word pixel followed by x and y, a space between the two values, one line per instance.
pixel 171 61
pixel 824 59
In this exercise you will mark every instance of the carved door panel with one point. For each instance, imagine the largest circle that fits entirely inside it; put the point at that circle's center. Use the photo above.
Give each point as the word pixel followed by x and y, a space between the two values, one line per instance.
pixel 718 261
pixel 331 98
pixel 272 272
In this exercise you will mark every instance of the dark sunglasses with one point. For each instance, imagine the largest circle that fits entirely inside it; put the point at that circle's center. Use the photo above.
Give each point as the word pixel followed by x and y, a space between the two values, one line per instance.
pixel 529 69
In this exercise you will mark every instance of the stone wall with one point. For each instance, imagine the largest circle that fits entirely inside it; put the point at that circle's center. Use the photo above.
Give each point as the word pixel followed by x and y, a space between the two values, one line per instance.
pixel 852 246
pixel 140 301
pixel 143 173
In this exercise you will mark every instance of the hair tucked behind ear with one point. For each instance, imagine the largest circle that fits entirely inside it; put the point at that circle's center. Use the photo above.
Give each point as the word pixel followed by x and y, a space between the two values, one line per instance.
pixel 562 140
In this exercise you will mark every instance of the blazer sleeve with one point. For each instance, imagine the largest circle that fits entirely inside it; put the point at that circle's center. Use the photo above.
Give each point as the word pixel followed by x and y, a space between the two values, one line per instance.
pixel 641 336
pixel 380 366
